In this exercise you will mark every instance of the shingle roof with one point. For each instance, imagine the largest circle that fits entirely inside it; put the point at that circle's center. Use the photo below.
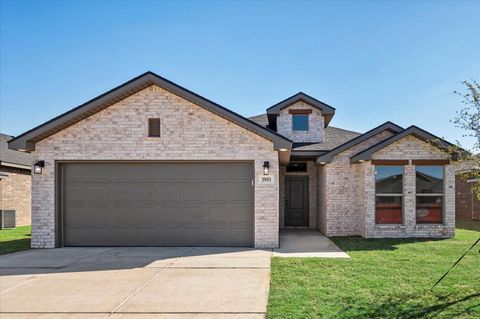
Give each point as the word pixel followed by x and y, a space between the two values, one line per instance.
pixel 260 119
pixel 334 136
pixel 11 156
pixel 392 127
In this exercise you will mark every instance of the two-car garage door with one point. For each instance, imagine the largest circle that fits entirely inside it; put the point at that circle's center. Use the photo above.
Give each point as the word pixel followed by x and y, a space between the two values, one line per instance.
pixel 157 203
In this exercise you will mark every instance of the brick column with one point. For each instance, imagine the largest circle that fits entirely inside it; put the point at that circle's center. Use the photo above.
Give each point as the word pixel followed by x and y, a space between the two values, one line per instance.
pixel 369 199
pixel 409 201
pixel 449 199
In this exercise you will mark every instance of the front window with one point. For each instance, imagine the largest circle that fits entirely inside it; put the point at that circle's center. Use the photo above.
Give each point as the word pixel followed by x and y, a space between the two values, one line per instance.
pixel 388 194
pixel 300 122
pixel 429 182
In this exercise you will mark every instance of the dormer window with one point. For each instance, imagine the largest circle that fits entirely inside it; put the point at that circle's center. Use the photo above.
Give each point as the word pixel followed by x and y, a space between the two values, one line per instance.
pixel 300 122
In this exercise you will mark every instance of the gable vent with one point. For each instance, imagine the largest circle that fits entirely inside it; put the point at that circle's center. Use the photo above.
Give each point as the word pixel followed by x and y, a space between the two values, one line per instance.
pixel 154 127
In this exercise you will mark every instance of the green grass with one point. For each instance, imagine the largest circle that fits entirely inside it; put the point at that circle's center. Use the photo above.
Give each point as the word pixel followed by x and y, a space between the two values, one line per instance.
pixel 385 278
pixel 12 240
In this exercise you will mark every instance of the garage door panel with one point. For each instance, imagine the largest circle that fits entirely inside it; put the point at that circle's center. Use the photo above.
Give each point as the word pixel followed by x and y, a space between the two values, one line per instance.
pixel 158 204
pixel 239 213
pixel 219 192
pixel 238 195
pixel 193 191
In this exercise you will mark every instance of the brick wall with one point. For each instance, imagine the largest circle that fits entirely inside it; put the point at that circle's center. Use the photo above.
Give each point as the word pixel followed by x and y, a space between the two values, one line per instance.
pixel 188 132
pixel 322 199
pixel 315 125
pixel 467 205
pixel 341 197
pixel 409 148
pixel 346 192
pixel 312 193
pixel 16 193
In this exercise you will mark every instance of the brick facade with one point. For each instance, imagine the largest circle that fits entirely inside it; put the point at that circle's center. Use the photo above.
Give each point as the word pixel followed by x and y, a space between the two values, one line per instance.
pixel 340 195
pixel 16 193
pixel 316 124
pixel 188 132
pixel 346 192
pixel 409 148
pixel 467 205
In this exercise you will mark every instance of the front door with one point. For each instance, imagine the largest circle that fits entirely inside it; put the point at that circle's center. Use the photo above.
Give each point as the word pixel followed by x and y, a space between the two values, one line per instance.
pixel 296 201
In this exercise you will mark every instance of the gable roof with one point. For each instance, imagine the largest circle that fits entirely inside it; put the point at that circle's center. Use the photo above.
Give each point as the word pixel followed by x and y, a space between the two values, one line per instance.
pixel 413 130
pixel 273 111
pixel 27 140
pixel 11 157
pixel 327 157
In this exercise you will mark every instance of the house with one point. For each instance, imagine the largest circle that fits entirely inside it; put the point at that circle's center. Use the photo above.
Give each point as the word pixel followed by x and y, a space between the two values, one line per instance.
pixel 15 185
pixel 467 204
pixel 151 163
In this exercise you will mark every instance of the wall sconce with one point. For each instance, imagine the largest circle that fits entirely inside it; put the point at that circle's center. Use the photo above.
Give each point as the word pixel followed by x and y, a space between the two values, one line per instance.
pixel 266 168
pixel 38 167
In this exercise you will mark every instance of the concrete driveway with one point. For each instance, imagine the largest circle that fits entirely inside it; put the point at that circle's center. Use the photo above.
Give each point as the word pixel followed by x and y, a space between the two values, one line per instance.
pixel 140 282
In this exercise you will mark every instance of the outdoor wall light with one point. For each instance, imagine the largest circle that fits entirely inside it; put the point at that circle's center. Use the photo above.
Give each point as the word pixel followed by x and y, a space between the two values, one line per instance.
pixel 266 168
pixel 38 167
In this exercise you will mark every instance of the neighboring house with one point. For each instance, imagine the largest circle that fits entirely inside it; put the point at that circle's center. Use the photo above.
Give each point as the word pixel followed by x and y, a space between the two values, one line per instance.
pixel 15 183
pixel 467 204
pixel 150 163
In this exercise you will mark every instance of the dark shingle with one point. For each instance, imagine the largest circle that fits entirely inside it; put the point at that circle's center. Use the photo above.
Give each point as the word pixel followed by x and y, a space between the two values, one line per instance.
pixel 12 156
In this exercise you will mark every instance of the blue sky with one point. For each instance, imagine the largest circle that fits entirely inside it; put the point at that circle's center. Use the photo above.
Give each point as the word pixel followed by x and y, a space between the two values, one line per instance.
pixel 373 61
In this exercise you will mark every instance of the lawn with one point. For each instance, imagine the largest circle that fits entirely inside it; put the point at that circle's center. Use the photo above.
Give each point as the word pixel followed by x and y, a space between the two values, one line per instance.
pixel 12 240
pixel 385 278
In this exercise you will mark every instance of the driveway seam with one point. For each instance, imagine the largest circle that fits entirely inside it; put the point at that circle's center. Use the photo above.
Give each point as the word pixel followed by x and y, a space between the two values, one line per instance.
pixel 22 283
pixel 148 282
pixel 37 276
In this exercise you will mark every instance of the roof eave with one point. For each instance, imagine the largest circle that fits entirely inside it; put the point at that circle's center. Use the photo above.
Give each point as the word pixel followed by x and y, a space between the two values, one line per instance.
pixel 419 133
pixel 387 126
pixel 27 140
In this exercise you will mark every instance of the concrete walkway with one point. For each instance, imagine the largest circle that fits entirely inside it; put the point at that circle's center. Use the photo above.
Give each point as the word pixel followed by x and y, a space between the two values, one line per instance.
pixel 307 243
pixel 156 282
pixel 148 282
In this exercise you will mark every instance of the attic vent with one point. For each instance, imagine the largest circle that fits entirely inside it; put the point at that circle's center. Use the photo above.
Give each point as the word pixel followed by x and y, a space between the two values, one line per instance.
pixel 7 219
pixel 154 127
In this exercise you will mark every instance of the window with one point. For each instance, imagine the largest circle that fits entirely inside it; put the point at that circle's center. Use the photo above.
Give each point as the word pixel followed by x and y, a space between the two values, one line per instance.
pixel 388 194
pixel 154 127
pixel 300 122
pixel 296 167
pixel 429 183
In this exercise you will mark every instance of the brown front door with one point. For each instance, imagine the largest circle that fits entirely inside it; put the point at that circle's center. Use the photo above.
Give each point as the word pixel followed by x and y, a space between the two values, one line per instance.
pixel 296 201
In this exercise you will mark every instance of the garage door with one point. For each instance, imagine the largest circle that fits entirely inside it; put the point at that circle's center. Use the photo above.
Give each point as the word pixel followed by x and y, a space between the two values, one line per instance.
pixel 157 204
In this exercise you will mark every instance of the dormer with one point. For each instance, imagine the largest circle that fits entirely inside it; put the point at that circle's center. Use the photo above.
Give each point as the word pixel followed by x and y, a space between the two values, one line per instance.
pixel 300 118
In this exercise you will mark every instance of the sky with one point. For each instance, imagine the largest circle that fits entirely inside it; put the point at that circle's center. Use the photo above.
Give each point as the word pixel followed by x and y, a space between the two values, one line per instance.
pixel 373 61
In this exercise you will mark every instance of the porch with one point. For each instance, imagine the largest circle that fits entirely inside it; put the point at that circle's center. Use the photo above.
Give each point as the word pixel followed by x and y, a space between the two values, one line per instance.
pixel 307 243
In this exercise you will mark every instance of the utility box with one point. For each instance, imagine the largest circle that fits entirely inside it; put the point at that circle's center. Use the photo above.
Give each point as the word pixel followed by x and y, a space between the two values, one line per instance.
pixel 7 219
